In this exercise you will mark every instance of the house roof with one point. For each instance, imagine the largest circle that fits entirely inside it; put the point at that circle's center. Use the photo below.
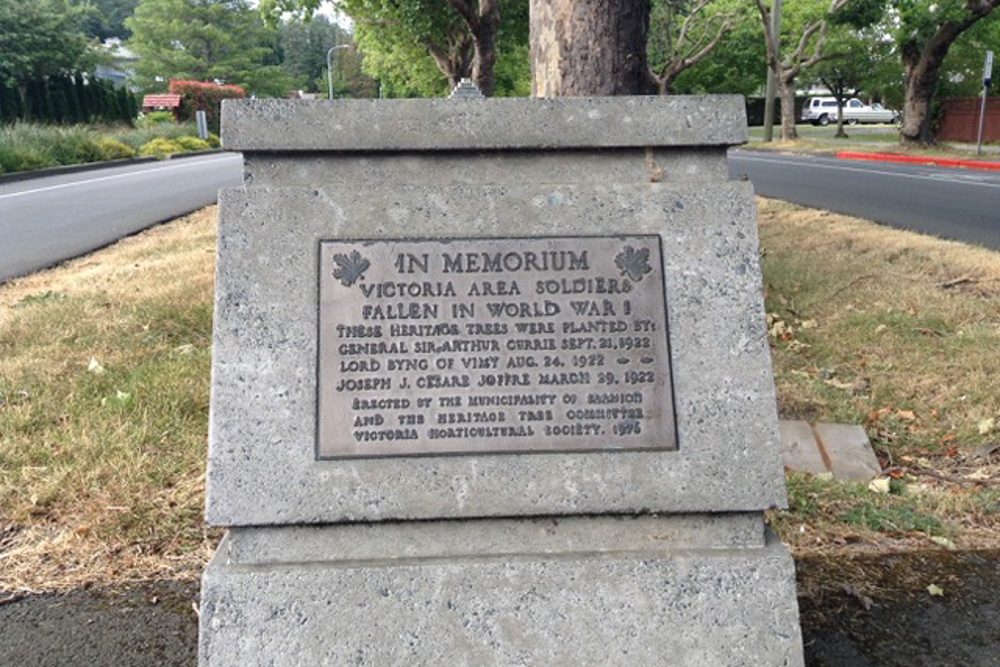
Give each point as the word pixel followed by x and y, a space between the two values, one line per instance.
pixel 169 101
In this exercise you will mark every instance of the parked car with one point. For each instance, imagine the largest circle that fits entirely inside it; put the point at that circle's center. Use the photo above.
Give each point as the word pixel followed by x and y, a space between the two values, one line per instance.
pixel 823 111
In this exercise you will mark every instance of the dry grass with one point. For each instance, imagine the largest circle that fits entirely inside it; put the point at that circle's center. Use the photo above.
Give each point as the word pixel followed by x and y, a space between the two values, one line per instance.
pixel 103 412
pixel 901 333
pixel 102 473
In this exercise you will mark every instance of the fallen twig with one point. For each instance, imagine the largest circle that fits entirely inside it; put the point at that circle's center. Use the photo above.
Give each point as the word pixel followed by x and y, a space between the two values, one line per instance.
pixel 853 282
pixel 939 475
pixel 956 282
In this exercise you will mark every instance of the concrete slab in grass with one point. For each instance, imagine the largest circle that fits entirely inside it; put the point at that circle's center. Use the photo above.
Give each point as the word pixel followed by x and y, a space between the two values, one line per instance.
pixel 840 449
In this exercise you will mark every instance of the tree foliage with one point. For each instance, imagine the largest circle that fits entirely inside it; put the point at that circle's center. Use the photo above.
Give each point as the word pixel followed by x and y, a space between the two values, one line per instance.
pixel 223 41
pixel 405 41
pixel 41 38
pixel 108 18
pixel 738 65
pixel 304 45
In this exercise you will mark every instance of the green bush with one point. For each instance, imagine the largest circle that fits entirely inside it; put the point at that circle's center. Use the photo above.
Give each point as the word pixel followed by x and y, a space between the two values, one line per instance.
pixel 160 147
pixel 114 150
pixel 192 143
pixel 74 145
pixel 28 146
pixel 139 137
pixel 153 118
pixel 213 140
pixel 23 158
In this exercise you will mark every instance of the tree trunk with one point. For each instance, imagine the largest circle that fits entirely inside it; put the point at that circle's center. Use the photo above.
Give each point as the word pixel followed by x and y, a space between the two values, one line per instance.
pixel 589 47
pixel 485 42
pixel 922 69
pixel 786 92
pixel 920 87
pixel 840 118
pixel 452 61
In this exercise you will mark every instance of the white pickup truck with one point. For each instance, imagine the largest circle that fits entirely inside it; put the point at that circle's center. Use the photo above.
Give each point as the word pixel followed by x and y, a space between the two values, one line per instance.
pixel 823 111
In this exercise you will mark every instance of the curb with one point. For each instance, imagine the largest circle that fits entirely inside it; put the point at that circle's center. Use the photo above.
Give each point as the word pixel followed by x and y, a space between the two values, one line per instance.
pixel 916 159
pixel 91 166
pixel 207 151
pixel 71 169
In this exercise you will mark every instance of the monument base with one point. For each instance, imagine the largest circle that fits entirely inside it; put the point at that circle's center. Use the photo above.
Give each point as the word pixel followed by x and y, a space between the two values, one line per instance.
pixel 679 590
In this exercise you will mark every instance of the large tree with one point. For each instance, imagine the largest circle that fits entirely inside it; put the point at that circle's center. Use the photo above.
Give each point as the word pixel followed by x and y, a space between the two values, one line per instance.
pixel 807 32
pixel 925 32
pixel 847 72
pixel 205 40
pixel 41 39
pixel 589 47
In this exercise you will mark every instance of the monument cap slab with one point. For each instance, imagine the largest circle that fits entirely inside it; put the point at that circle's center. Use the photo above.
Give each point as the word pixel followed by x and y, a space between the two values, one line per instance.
pixel 487 124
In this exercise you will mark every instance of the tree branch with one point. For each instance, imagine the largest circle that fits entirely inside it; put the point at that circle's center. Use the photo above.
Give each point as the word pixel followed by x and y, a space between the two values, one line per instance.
pixel 464 9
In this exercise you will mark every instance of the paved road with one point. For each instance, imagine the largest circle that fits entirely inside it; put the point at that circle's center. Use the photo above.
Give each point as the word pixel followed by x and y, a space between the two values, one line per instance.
pixel 47 220
pixel 960 204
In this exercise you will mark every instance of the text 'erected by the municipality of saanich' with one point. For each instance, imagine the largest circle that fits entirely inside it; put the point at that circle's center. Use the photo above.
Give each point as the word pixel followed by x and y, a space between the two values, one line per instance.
pixel 493 345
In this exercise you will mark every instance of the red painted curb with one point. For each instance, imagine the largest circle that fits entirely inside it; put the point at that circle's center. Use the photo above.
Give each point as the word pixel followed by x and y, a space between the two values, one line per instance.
pixel 916 159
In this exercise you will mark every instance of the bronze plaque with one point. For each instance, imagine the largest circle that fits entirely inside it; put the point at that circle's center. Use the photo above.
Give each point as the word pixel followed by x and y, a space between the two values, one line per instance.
pixel 470 346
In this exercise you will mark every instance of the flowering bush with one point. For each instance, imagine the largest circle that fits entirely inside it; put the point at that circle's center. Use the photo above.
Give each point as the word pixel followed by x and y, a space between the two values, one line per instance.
pixel 201 95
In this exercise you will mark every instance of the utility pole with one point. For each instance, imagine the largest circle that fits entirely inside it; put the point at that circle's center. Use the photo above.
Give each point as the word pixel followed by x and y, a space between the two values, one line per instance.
pixel 771 82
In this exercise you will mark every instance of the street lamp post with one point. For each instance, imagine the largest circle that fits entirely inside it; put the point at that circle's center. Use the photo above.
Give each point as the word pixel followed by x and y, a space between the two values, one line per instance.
pixel 329 65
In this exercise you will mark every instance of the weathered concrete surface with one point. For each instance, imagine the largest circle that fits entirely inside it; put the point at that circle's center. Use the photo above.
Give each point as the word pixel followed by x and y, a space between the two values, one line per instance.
pixel 495 123
pixel 262 468
pixel 700 607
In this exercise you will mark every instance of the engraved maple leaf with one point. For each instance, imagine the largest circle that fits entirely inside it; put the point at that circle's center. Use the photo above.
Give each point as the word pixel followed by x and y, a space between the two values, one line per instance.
pixel 634 263
pixel 350 268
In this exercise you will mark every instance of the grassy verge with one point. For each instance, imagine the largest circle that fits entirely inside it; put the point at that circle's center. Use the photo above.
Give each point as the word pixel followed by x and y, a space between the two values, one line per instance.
pixel 104 367
pixel 862 138
pixel 901 333
pixel 26 146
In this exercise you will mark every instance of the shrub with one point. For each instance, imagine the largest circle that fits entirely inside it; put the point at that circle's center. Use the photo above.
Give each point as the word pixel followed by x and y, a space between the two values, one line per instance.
pixel 151 118
pixel 213 140
pixel 160 147
pixel 23 158
pixel 28 146
pixel 114 150
pixel 74 145
pixel 192 143
pixel 197 95
pixel 139 137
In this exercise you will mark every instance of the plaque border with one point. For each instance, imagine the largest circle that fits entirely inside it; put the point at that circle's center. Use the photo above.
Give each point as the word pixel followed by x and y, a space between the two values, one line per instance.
pixel 317 272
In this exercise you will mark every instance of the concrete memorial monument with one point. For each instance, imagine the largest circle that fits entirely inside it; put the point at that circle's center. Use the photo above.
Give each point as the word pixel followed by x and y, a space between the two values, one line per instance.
pixel 491 385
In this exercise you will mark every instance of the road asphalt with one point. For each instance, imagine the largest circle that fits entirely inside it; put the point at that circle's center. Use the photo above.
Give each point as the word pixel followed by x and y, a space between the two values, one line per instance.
pixel 59 216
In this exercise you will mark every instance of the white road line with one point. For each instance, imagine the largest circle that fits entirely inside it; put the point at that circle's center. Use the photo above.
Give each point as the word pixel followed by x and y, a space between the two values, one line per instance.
pixel 187 162
pixel 936 176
